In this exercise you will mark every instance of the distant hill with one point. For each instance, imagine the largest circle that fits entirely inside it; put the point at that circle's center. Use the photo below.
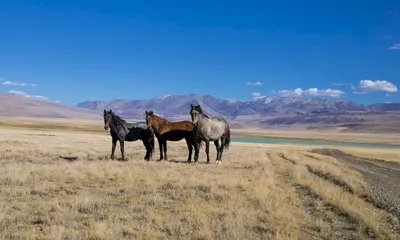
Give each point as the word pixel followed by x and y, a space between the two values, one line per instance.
pixel 385 107
pixel 21 106
pixel 265 111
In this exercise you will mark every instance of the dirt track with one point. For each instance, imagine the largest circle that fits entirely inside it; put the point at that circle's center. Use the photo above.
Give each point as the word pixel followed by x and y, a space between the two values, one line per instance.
pixel 383 176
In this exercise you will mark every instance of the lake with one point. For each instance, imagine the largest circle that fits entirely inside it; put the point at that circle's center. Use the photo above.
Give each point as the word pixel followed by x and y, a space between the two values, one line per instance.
pixel 308 142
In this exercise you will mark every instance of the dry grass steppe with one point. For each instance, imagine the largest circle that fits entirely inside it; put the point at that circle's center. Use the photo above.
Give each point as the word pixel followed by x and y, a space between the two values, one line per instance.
pixel 60 184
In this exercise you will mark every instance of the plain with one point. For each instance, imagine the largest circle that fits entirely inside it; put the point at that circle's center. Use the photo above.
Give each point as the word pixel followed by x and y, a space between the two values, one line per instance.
pixel 61 184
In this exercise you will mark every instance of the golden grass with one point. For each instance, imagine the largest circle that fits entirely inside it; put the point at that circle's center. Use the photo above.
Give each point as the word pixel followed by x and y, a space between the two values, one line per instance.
pixel 45 124
pixel 45 196
pixel 339 191
pixel 254 194
pixel 389 155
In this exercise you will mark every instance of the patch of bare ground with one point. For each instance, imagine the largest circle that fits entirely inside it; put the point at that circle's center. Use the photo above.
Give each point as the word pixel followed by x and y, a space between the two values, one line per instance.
pixel 383 176
pixel 326 190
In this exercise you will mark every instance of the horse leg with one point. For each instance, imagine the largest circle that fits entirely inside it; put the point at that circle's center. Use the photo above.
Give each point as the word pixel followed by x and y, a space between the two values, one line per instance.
pixel 221 149
pixel 208 150
pixel 114 143
pixel 216 143
pixel 121 144
pixel 146 145
pixel 196 147
pixel 165 150
pixel 189 145
pixel 160 145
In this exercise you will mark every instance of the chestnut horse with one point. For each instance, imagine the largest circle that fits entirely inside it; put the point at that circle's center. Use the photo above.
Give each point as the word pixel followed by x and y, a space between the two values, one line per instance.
pixel 165 131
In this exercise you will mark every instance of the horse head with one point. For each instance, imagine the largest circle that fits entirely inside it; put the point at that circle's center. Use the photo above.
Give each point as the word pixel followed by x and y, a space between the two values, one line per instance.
pixel 149 119
pixel 107 119
pixel 195 111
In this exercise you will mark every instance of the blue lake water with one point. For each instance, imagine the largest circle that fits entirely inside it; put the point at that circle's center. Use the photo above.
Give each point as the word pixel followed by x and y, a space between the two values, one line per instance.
pixel 308 142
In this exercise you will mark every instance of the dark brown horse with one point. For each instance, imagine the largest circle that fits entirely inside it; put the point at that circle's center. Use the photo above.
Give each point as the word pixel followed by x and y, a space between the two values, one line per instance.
pixel 173 131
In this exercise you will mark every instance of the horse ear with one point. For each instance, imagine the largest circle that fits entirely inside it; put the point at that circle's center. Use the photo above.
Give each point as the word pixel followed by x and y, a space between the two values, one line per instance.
pixel 151 113
pixel 105 111
pixel 146 112
pixel 191 106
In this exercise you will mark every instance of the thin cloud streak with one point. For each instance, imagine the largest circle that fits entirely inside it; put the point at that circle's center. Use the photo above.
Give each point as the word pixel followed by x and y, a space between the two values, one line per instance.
pixel 299 92
pixel 395 46
pixel 253 83
pixel 24 94
pixel 9 83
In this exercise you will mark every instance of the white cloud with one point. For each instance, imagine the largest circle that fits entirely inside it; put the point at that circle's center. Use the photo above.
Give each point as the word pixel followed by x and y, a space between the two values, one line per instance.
pixel 22 93
pixel 291 93
pixel 342 84
pixel 375 86
pixel 357 92
pixel 9 83
pixel 395 46
pixel 18 92
pixel 256 95
pixel 323 92
pixel 254 83
pixel 298 92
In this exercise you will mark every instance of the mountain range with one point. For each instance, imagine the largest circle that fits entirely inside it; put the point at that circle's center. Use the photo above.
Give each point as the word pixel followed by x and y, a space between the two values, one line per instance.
pixel 272 110
pixel 268 112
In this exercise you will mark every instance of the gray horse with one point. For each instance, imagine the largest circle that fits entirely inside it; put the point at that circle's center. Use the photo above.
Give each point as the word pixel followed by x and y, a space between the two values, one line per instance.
pixel 210 129
pixel 121 131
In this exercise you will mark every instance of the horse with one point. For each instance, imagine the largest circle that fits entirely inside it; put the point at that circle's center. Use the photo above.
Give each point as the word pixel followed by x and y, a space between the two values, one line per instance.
pixel 173 131
pixel 121 131
pixel 210 129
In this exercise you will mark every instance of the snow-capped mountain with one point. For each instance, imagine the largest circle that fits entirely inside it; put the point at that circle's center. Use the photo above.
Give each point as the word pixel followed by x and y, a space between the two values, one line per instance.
pixel 285 110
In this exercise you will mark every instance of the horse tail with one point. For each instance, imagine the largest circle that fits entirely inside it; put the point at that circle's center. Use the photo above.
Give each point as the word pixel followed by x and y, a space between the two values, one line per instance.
pixel 227 136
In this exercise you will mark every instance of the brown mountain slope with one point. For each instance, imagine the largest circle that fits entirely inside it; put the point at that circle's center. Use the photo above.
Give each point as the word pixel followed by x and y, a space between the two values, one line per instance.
pixel 22 106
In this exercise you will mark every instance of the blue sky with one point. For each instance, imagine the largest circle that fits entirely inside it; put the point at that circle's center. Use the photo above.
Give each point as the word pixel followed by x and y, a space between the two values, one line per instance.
pixel 76 50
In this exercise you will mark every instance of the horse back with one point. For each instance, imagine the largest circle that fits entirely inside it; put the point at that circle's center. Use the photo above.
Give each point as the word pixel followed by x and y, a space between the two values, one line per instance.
pixel 221 119
pixel 177 126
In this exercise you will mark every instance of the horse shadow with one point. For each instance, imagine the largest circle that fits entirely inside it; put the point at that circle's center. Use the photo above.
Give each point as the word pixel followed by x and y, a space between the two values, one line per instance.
pixel 69 158
pixel 178 161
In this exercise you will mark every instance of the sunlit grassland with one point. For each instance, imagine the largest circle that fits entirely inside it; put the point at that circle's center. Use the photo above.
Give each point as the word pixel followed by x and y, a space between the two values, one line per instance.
pixel 61 184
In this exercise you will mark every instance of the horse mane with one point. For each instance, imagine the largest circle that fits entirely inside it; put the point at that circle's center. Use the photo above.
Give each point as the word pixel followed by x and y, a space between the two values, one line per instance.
pixel 117 120
pixel 158 117
pixel 199 110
